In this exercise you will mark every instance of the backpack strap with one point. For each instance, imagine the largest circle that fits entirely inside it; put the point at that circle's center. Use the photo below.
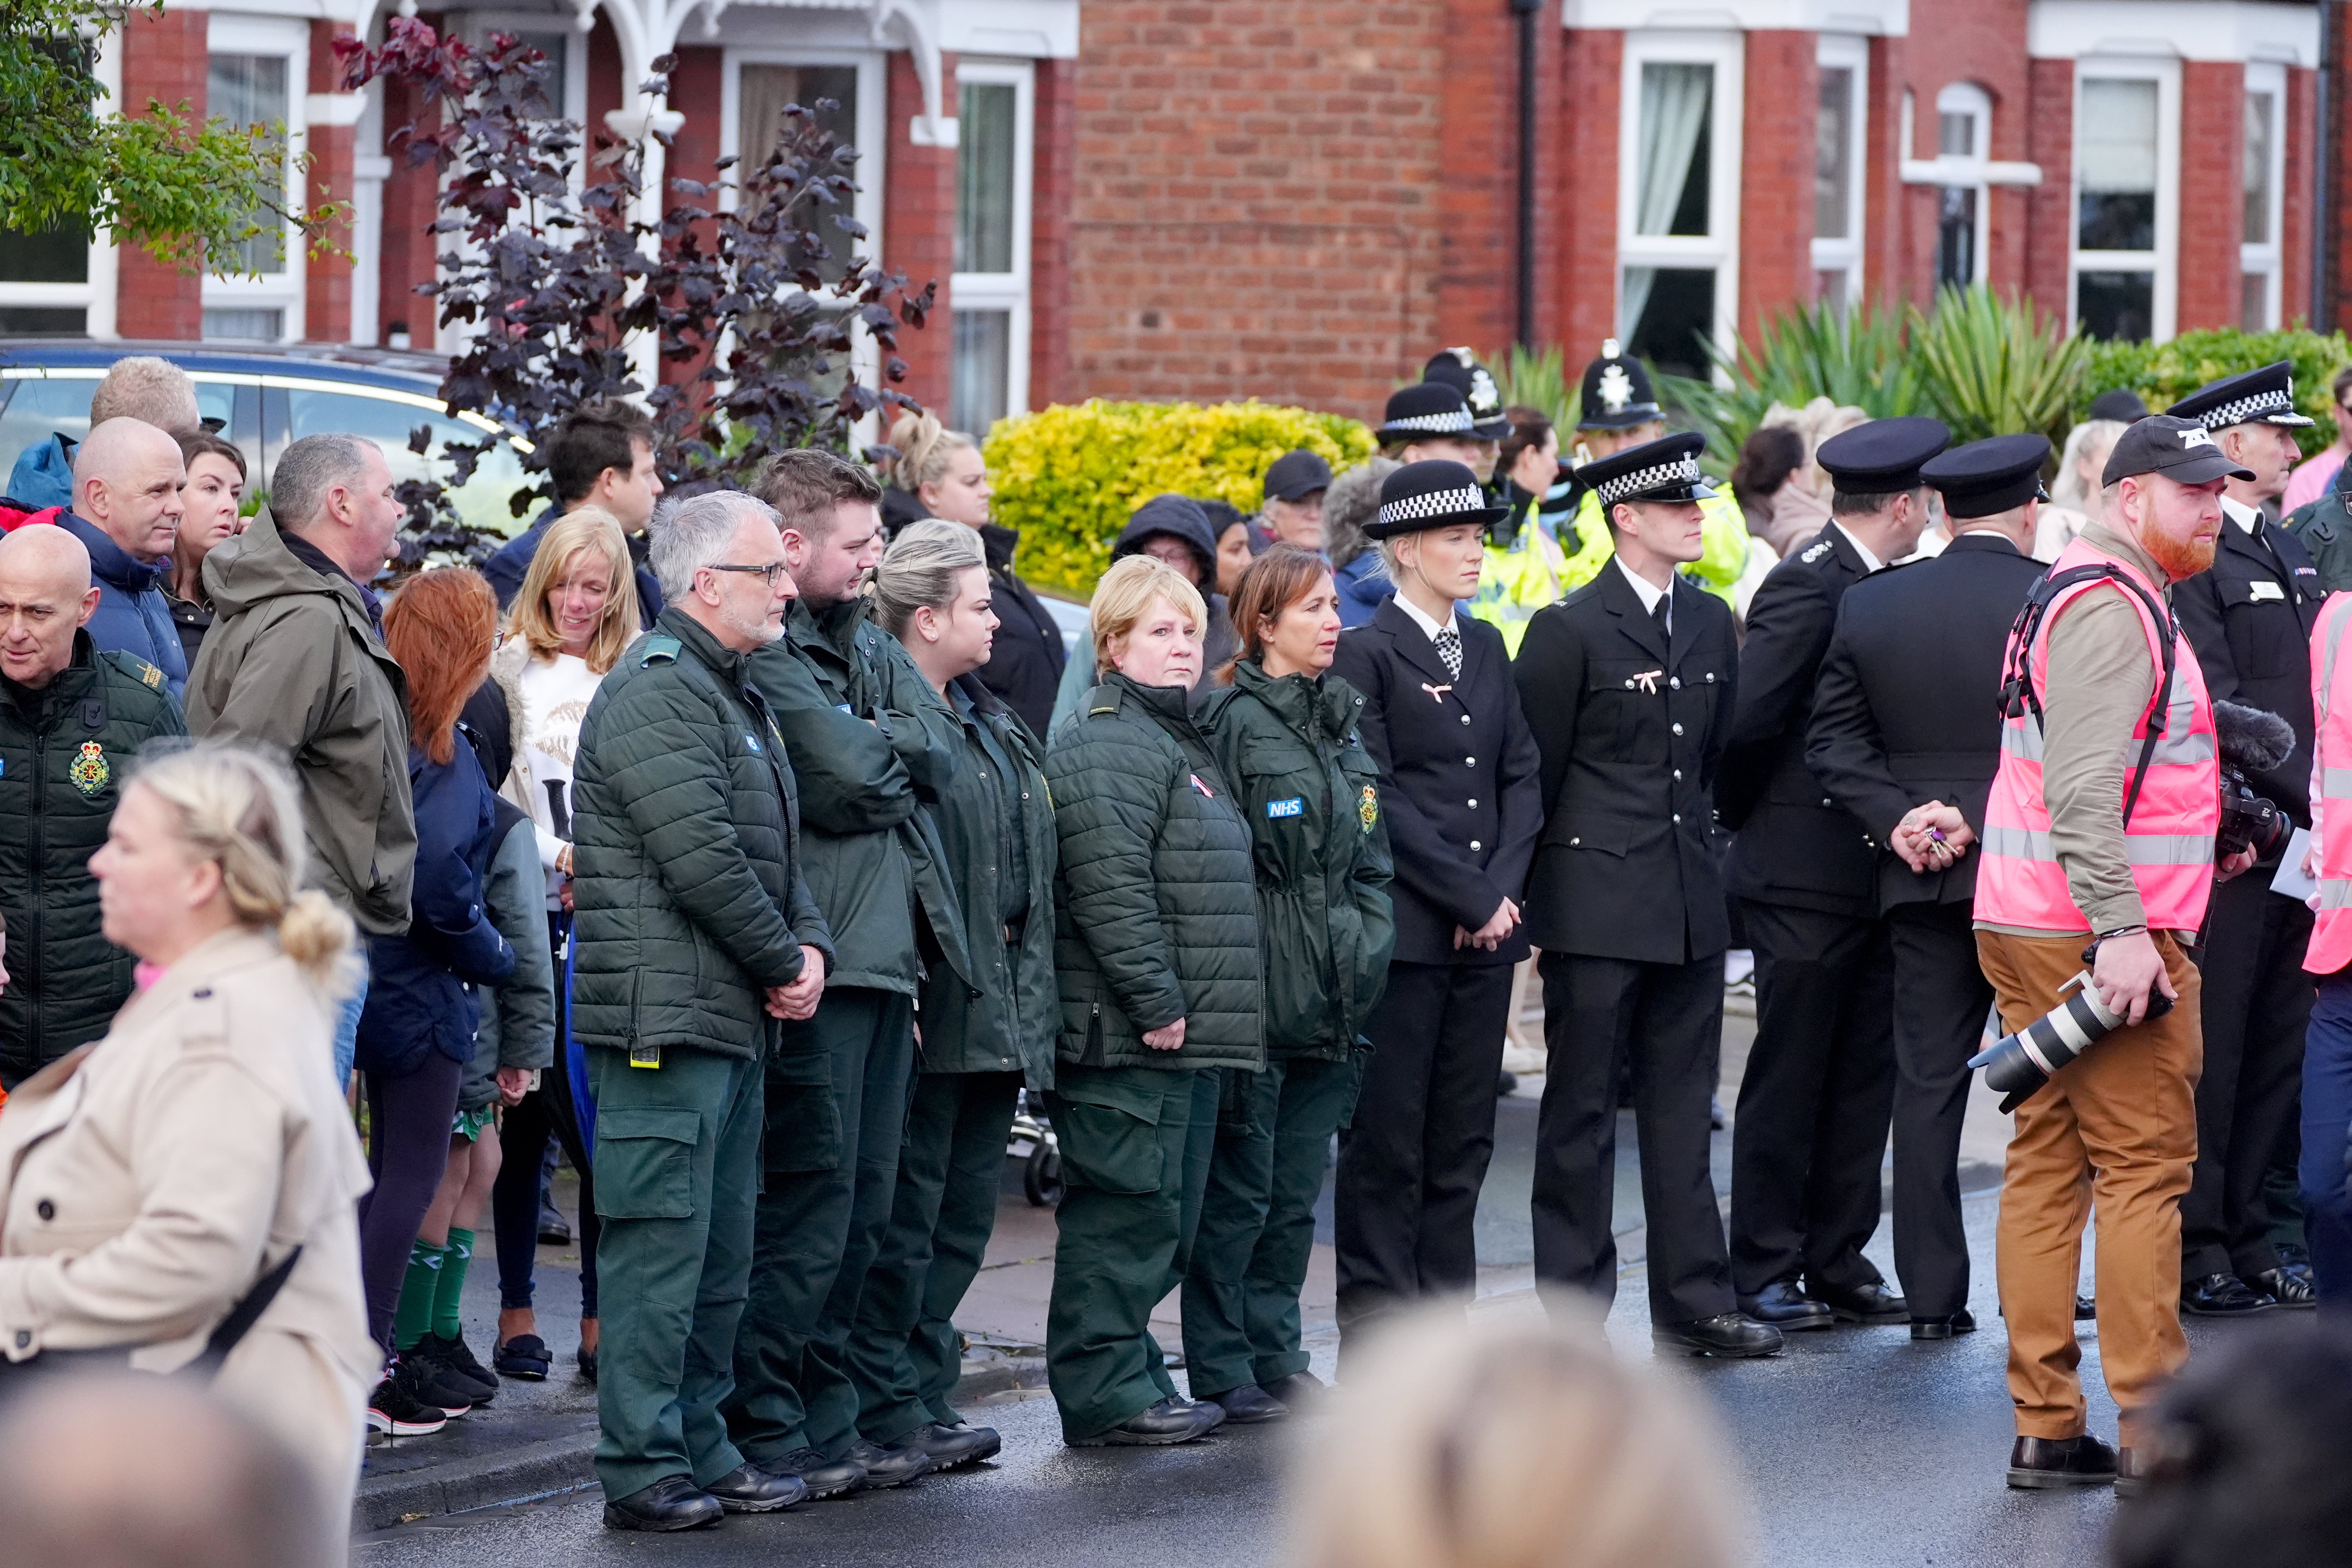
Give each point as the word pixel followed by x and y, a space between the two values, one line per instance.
pixel 2018 698
pixel 240 1321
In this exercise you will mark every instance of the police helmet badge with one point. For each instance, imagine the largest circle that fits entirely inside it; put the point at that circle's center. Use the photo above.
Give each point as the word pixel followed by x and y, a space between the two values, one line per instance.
pixel 90 770
pixel 1367 807
pixel 1616 386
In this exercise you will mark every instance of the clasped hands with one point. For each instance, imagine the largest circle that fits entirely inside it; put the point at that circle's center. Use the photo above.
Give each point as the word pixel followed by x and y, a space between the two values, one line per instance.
pixel 1932 838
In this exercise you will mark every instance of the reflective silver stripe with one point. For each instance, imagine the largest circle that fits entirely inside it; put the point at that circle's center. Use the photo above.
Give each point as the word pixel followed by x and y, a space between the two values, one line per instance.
pixel 2140 848
pixel 2023 740
pixel 2187 748
pixel 2327 664
pixel 2335 783
pixel 2336 893
pixel 2017 843
pixel 2177 744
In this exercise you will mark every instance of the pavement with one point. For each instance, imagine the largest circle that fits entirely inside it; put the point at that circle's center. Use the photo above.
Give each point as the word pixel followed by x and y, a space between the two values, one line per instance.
pixel 1857 1445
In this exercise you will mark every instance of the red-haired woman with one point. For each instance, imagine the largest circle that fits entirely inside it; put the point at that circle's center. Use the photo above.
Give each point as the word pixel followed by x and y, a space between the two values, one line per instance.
pixel 416 1032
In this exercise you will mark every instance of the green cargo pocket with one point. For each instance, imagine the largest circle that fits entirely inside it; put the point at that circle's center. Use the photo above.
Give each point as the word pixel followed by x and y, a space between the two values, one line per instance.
pixel 645 1163
pixel 1110 1137
pixel 802 1128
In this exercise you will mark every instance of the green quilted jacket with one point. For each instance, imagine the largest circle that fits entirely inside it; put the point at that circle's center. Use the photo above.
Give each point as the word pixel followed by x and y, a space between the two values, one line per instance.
pixel 1155 908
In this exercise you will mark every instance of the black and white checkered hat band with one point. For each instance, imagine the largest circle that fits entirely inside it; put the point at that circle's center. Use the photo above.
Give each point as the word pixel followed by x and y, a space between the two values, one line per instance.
pixel 1641 481
pixel 1452 422
pixel 2240 410
pixel 1467 501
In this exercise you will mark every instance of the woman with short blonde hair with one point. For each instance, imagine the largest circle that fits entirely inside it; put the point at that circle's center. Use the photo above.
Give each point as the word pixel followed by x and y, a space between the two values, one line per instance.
pixel 200 1157
pixel 1127 590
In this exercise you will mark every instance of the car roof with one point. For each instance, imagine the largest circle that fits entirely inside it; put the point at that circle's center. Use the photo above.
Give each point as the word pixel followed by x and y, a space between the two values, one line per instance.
pixel 407 370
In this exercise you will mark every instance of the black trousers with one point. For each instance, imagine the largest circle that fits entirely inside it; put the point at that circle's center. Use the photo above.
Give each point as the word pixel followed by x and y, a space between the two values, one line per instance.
pixel 1414 1156
pixel 2257 1003
pixel 1605 1018
pixel 545 1112
pixel 1941 1002
pixel 1815 1101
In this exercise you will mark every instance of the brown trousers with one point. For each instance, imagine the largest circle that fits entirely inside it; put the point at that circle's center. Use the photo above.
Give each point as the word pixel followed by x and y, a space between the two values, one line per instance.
pixel 2117 1125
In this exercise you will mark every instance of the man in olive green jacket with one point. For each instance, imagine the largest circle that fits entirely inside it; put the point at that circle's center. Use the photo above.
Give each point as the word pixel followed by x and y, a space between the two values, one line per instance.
pixel 296 663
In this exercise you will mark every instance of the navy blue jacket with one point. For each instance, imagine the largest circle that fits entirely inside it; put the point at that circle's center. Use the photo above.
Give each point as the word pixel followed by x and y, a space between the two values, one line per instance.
pixel 416 997
pixel 132 617
pixel 507 568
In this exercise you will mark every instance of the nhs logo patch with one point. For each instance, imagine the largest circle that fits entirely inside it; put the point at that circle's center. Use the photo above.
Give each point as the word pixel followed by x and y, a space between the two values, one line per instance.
pixel 1293 807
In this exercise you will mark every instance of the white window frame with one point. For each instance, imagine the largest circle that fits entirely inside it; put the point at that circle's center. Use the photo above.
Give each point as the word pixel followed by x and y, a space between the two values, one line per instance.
pixel 1008 291
pixel 479 24
pixel 2164 261
pixel 96 294
pixel 2267 260
pixel 227 34
pixel 1719 247
pixel 1967 98
pixel 1847 52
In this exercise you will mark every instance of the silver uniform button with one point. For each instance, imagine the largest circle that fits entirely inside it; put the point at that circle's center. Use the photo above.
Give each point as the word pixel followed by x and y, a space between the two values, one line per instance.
pixel 1678 729
pixel 1469 762
pixel 1629 686
pixel 1475 845
pixel 1827 801
pixel 1465 718
pixel 1675 681
pixel 1678 817
pixel 1474 805
pixel 1710 677
pixel 1574 842
pixel 1678 772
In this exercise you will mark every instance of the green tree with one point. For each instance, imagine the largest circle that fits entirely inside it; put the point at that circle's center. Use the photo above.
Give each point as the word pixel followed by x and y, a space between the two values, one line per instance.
pixel 187 191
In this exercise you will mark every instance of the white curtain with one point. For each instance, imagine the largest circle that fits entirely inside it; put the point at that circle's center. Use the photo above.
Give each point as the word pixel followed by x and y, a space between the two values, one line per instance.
pixel 1675 100
pixel 2116 142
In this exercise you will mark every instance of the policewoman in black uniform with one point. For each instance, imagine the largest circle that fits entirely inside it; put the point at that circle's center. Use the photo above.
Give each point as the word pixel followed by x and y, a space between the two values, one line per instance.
pixel 1442 719
pixel 1810 1133
pixel 2248 616
pixel 1904 720
pixel 1628 685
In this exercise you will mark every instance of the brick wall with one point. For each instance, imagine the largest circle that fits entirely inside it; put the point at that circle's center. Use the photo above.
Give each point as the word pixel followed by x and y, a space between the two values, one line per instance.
pixel 2051 204
pixel 1882 208
pixel 1053 174
pixel 2295 225
pixel 1255 203
pixel 1583 262
pixel 919 223
pixel 163 59
pixel 2212 192
pixel 327 275
pixel 406 258
pixel 1981 42
pixel 1478 201
pixel 1776 175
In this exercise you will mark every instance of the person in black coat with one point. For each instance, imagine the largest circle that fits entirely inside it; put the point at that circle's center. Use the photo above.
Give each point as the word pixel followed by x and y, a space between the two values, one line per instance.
pixel 1629 684
pixel 1905 736
pixel 1442 719
pixel 1809 1131
pixel 2248 616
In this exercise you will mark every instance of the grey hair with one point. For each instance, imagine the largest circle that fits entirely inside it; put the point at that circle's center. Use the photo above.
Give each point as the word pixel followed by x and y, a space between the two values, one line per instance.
pixel 147 388
pixel 308 470
pixel 690 534
pixel 920 568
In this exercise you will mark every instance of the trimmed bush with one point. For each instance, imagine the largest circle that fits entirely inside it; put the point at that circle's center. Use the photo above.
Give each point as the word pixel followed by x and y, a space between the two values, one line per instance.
pixel 1070 476
pixel 2164 374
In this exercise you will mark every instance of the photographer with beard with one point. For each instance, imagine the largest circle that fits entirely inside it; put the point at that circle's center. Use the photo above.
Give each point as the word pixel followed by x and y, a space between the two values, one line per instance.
pixel 2099 835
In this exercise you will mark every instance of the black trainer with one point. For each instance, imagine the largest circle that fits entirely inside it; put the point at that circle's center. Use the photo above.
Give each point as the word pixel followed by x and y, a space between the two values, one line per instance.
pixel 395 1410
pixel 750 1488
pixel 961 1443
pixel 2044 1464
pixel 455 1366
pixel 824 1478
pixel 888 1468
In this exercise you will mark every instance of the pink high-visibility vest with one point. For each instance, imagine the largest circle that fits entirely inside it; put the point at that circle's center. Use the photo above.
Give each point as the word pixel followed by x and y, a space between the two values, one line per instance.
pixel 2331 703
pixel 2169 837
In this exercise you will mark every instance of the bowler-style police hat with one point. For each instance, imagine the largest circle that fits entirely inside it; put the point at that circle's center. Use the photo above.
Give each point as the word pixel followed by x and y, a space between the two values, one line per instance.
pixel 1426 408
pixel 1985 478
pixel 1439 493
pixel 2265 396
pixel 1665 469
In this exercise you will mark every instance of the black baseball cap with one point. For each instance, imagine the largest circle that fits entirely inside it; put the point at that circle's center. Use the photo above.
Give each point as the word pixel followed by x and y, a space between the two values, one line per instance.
pixel 1296 475
pixel 2177 448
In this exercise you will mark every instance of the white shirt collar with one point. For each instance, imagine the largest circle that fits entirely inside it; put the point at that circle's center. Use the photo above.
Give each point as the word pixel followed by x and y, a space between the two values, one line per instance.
pixel 1869 562
pixel 2246 517
pixel 1646 591
pixel 1427 625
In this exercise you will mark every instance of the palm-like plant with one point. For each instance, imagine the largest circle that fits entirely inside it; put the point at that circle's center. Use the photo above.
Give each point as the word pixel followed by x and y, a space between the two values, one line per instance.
pixel 1538 378
pixel 1990 367
pixel 1813 351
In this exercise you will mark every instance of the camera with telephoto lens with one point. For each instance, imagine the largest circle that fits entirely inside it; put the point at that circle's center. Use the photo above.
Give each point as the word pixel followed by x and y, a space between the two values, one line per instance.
pixel 2020 1064
pixel 2252 740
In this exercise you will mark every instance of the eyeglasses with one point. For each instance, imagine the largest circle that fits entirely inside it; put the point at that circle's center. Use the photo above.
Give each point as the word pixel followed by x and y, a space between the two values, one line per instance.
pixel 772 571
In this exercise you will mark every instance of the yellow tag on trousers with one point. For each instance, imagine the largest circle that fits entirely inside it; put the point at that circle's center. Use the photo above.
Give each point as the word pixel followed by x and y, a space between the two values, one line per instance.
pixel 645 1056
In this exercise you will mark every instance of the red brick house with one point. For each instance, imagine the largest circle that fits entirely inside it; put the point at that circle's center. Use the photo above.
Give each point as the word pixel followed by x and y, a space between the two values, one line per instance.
pixel 1301 199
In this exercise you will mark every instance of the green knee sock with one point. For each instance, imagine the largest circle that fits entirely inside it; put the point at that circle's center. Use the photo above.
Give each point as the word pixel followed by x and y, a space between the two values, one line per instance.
pixel 414 1318
pixel 452 1285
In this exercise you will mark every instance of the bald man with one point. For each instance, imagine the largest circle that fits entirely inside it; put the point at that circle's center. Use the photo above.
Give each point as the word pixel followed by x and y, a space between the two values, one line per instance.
pixel 126 511
pixel 72 718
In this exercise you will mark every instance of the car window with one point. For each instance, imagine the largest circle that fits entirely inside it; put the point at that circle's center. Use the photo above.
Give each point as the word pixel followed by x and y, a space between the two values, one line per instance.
pixel 389 422
pixel 38 408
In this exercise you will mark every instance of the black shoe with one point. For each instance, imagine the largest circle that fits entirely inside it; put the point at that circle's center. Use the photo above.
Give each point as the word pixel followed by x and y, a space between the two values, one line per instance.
pixel 1873 1303
pixel 1725 1334
pixel 434 1386
pixel 888 1468
pixel 1298 1390
pixel 1170 1421
pixel 457 1366
pixel 824 1478
pixel 1249 1405
pixel 2285 1287
pixel 2222 1295
pixel 961 1443
pixel 394 1409
pixel 524 1356
pixel 2041 1464
pixel 748 1488
pixel 1506 1085
pixel 673 1503
pixel 1787 1308
pixel 1961 1322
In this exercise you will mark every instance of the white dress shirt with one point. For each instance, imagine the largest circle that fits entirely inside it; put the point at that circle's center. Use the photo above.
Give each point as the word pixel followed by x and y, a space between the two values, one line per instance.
pixel 2246 517
pixel 1869 562
pixel 1422 620
pixel 1648 593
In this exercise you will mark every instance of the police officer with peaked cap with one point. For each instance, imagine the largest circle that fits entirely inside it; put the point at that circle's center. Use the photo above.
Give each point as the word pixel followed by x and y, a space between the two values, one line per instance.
pixel 2248 616
pixel 1904 736
pixel 1809 1131
pixel 1441 719
pixel 1628 684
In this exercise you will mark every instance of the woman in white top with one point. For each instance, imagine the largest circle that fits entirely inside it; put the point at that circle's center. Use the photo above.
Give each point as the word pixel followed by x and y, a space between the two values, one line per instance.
pixel 575 613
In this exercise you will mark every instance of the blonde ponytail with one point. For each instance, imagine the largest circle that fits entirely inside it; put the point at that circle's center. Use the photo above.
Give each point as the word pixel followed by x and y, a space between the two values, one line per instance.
pixel 924 446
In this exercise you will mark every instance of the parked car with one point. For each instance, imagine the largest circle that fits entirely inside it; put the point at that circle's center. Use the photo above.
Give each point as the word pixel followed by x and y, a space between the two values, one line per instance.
pixel 267 397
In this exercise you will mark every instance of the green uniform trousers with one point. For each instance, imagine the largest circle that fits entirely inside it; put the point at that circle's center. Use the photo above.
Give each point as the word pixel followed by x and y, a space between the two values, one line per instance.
pixel 832 1161
pixel 1135 1145
pixel 1257 1221
pixel 677 1176
pixel 905 1354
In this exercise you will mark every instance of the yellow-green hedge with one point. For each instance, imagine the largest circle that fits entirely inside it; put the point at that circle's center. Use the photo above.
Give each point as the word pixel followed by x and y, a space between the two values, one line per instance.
pixel 1069 477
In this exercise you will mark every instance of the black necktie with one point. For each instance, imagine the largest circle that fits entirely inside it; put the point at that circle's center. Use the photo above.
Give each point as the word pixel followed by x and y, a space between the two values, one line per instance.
pixel 1658 613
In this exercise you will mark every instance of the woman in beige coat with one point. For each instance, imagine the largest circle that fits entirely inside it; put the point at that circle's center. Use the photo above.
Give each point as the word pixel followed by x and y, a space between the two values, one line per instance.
pixel 150 1180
